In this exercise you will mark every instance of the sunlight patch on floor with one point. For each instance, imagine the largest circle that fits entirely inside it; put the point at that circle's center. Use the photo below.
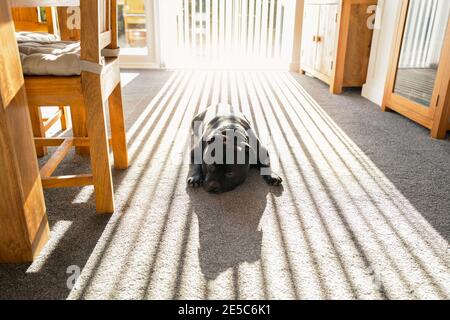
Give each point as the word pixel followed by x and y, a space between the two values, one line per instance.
pixel 338 229
pixel 59 229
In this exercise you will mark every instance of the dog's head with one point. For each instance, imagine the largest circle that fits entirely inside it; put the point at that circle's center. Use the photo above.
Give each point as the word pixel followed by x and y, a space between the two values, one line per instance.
pixel 226 161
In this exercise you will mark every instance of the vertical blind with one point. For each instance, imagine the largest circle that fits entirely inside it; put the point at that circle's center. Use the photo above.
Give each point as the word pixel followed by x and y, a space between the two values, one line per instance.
pixel 424 34
pixel 232 30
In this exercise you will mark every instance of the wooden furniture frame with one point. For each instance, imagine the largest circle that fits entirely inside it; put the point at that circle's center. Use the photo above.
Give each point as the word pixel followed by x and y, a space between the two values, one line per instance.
pixel 24 227
pixel 65 14
pixel 435 117
pixel 26 19
pixel 351 38
pixel 86 94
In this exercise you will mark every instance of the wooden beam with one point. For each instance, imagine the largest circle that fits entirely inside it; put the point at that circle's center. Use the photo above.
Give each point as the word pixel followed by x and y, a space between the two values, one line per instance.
pixel 37 125
pixel 59 155
pixel 52 120
pixel 105 39
pixel 95 113
pixel 70 181
pixel 118 132
pixel 441 96
pixel 56 142
pixel 114 31
pixel 11 75
pixel 90 31
pixel 54 91
pixel 110 76
pixel 23 222
pixel 66 33
pixel 48 142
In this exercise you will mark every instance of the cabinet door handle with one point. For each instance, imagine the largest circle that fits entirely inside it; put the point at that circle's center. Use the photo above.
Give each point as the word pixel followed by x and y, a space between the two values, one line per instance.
pixel 319 39
pixel 314 38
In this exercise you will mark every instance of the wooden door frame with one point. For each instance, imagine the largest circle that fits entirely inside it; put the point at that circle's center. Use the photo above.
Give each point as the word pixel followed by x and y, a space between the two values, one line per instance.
pixel 441 124
pixel 152 59
pixel 430 117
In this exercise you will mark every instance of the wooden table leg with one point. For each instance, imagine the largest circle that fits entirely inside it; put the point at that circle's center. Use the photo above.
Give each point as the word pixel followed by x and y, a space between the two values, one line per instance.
pixel 23 222
pixel 38 128
pixel 24 227
pixel 65 120
pixel 79 125
pixel 118 132
pixel 98 142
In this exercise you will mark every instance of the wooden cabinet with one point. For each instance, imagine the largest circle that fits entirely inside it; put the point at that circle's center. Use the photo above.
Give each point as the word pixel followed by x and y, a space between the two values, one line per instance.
pixel 336 41
pixel 418 83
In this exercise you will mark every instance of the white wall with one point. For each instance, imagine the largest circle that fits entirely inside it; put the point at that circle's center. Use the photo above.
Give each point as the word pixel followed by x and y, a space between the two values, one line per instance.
pixel 382 43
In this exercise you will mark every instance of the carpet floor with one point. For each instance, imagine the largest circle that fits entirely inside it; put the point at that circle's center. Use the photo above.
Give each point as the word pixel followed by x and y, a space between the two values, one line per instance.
pixel 364 211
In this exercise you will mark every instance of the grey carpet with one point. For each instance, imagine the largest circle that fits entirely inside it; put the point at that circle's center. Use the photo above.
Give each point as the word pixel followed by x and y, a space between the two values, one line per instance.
pixel 364 211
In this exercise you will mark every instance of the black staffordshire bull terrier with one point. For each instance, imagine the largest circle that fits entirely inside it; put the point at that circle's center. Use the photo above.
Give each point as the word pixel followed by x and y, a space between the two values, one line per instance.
pixel 225 148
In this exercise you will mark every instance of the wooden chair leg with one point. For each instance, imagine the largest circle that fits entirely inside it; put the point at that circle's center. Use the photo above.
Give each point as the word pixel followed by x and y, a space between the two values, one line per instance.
pixel 79 126
pixel 38 128
pixel 65 120
pixel 98 143
pixel 118 132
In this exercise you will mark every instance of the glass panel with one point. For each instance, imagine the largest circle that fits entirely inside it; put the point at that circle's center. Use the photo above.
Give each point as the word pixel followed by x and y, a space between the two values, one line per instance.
pixel 42 14
pixel 423 40
pixel 132 24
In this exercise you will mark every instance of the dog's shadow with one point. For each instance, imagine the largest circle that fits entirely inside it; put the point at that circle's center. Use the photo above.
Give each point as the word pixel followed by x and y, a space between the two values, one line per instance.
pixel 229 224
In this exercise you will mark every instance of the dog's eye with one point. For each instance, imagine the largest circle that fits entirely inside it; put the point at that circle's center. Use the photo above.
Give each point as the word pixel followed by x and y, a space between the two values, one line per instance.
pixel 230 174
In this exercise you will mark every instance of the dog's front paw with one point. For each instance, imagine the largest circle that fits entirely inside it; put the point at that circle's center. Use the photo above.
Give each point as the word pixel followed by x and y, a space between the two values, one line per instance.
pixel 273 180
pixel 195 181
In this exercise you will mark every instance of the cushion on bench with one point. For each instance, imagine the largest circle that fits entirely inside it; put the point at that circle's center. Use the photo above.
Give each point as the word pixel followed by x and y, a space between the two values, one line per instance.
pixel 44 55
pixel 25 36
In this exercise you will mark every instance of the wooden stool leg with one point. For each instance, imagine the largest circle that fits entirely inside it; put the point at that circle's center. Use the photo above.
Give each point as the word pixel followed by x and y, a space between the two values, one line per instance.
pixel 38 128
pixel 65 120
pixel 98 143
pixel 79 126
pixel 118 132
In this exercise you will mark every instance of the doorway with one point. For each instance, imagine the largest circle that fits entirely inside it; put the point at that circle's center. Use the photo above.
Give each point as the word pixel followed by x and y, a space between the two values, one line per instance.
pixel 137 33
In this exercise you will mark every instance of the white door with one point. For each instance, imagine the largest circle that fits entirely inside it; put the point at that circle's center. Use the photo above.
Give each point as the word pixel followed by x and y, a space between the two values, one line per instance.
pixel 326 42
pixel 137 30
pixel 309 37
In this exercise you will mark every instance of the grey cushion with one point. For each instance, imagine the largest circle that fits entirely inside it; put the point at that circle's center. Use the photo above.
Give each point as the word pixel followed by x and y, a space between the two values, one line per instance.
pixel 43 37
pixel 42 54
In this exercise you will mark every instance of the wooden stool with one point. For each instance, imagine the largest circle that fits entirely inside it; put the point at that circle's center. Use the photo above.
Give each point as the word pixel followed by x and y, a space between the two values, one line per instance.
pixel 88 133
pixel 86 95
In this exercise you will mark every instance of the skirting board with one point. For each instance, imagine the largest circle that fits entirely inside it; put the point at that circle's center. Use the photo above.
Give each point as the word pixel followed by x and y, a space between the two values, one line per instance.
pixel 139 65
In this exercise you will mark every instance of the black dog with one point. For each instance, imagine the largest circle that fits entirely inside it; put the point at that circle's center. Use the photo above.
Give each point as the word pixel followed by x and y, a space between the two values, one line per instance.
pixel 225 149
